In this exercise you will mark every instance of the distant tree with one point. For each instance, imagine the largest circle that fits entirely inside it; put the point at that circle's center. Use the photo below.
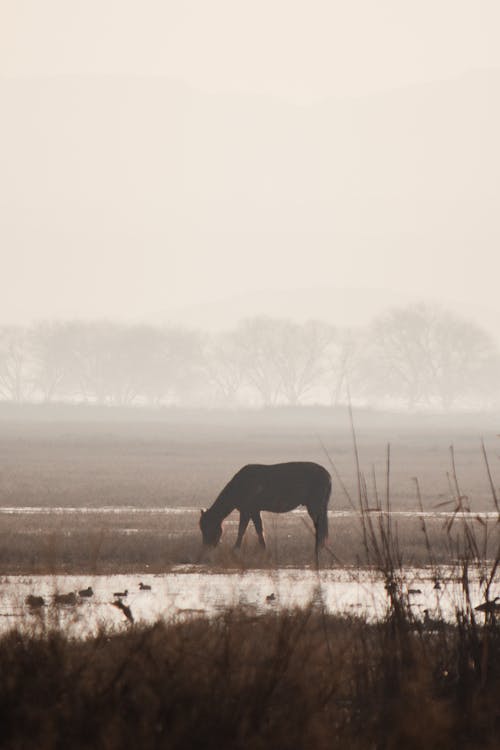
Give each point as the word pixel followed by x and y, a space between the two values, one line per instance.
pixel 16 380
pixel 259 339
pixel 154 372
pixel 427 355
pixel 224 362
pixel 121 364
pixel 132 362
pixel 175 369
pixel 283 360
pixel 302 356
pixel 54 359
pixel 487 391
pixel 95 349
pixel 461 358
pixel 343 358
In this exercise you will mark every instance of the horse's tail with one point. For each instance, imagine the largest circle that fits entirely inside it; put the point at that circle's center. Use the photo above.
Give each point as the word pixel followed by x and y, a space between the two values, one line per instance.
pixel 322 517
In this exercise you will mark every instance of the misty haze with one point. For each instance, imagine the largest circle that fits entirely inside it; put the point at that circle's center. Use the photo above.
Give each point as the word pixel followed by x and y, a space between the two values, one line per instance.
pixel 249 374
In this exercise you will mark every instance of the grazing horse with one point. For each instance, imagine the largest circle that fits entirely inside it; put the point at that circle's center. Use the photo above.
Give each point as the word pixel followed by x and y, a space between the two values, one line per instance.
pixel 277 488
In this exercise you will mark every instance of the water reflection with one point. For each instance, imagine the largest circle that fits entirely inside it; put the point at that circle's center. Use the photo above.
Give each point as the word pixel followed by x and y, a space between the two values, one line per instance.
pixel 191 591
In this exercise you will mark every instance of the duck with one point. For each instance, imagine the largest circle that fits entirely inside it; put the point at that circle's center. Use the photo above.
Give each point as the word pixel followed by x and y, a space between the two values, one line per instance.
pixel 86 592
pixel 144 587
pixel 35 601
pixel 120 594
pixel 489 607
pixel 65 598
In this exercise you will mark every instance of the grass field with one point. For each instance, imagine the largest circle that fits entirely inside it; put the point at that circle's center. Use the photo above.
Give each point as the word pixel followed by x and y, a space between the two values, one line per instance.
pixel 174 458
pixel 137 460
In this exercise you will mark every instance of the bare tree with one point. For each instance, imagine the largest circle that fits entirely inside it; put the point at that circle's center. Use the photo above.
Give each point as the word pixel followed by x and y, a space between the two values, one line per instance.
pixel 121 364
pixel 460 358
pixel 224 362
pixel 16 380
pixel 426 355
pixel 54 359
pixel 94 345
pixel 283 359
pixel 259 339
pixel 301 356
pixel 420 354
pixel 175 370
pixel 343 357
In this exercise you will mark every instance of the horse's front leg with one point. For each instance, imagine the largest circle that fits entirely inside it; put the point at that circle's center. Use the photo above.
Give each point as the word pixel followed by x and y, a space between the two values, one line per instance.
pixel 257 522
pixel 244 519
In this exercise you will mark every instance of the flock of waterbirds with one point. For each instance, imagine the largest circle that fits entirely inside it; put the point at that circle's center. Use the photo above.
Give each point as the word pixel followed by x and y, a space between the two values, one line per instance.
pixel 73 598
pixel 490 608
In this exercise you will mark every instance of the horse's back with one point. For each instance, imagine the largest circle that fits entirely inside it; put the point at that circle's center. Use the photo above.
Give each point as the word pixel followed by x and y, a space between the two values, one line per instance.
pixel 282 487
pixel 284 472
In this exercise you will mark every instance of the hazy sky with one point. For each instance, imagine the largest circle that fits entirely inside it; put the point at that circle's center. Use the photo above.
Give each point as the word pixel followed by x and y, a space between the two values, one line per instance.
pixel 281 47
pixel 159 154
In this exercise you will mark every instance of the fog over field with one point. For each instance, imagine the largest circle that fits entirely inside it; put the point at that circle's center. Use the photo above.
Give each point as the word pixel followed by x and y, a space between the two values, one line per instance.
pixel 197 163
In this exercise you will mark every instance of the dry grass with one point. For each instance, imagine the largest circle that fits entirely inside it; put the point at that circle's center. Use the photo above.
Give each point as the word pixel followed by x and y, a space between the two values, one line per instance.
pixel 301 679
pixel 182 459
pixel 72 543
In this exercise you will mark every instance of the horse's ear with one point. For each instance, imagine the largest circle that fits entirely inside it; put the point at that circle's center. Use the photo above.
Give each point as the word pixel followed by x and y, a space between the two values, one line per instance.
pixel 202 513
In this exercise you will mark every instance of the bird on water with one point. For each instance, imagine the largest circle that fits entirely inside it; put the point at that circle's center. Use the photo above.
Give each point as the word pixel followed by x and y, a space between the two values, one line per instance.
pixel 65 598
pixel 35 601
pixel 490 607
pixel 86 592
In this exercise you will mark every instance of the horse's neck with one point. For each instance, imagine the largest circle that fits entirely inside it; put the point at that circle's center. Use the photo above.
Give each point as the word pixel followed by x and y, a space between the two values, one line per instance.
pixel 223 506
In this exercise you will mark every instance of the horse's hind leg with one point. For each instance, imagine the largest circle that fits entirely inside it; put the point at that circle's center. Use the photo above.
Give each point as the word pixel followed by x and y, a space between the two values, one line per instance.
pixel 257 522
pixel 319 517
pixel 320 521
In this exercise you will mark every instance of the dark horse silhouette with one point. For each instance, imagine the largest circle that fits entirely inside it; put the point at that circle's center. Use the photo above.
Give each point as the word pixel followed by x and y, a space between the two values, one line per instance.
pixel 278 488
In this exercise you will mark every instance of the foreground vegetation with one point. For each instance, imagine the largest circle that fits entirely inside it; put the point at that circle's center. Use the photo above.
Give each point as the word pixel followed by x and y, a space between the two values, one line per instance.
pixel 298 679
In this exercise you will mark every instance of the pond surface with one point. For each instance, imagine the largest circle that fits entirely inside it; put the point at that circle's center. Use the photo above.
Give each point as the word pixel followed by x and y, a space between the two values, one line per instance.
pixel 116 510
pixel 193 591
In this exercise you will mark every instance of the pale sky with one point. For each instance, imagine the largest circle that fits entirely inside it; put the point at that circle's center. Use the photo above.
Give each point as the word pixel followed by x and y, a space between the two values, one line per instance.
pixel 281 47
pixel 160 154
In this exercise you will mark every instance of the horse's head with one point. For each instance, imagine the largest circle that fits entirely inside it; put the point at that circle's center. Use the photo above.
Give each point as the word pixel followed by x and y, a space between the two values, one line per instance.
pixel 211 530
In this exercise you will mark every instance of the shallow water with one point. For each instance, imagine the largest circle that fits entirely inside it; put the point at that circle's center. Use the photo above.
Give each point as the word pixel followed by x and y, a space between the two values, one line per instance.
pixel 167 511
pixel 191 591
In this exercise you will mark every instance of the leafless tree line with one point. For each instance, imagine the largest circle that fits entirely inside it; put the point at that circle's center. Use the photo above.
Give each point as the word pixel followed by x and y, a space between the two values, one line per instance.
pixel 419 356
